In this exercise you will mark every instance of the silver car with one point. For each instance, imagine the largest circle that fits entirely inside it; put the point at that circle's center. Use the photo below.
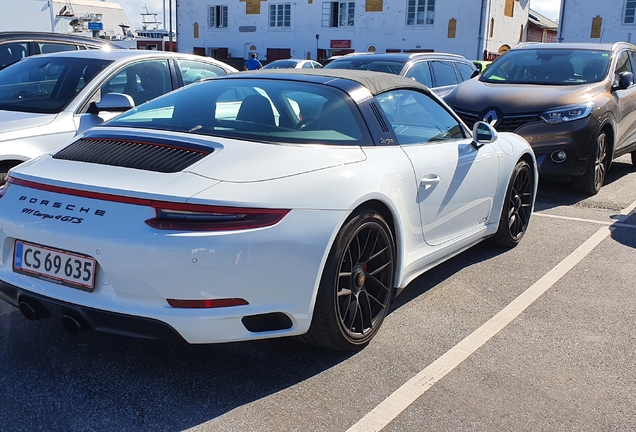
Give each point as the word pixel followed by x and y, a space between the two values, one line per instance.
pixel 45 100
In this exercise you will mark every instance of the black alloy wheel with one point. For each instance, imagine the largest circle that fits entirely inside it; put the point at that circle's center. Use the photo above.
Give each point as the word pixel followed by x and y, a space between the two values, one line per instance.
pixel 356 287
pixel 594 177
pixel 517 208
pixel 4 169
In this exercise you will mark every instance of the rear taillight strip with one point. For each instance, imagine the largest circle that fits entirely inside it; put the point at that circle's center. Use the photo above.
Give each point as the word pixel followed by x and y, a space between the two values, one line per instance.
pixel 178 216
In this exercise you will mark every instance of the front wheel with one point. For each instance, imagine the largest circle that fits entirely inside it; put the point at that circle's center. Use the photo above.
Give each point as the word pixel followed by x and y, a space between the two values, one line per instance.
pixel 517 207
pixel 592 181
pixel 356 286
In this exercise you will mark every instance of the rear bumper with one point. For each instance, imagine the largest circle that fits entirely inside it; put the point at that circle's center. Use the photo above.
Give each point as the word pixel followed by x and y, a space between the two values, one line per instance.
pixel 98 320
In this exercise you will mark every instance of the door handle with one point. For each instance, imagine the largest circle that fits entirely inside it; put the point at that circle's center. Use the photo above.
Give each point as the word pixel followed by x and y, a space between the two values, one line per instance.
pixel 430 181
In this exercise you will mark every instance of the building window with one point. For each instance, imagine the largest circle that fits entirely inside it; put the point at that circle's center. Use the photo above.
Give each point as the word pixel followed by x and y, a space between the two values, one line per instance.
pixel 338 14
pixel 630 12
pixel 492 26
pixel 280 15
pixel 217 16
pixel 420 12
pixel 509 8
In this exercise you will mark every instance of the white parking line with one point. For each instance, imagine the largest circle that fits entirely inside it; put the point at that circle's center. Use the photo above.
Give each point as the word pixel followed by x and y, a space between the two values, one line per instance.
pixel 410 391
pixel 598 222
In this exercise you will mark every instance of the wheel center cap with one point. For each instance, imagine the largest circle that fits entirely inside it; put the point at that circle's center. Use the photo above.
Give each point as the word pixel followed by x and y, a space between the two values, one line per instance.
pixel 517 201
pixel 359 279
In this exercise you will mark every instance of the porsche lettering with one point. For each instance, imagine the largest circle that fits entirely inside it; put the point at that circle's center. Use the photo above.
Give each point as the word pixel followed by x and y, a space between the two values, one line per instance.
pixel 64 206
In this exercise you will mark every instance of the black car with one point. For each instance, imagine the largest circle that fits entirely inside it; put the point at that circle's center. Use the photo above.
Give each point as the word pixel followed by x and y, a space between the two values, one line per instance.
pixel 15 46
pixel 438 71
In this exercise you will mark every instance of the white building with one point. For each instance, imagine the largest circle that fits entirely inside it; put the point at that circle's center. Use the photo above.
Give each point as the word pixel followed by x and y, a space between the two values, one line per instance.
pixel 64 16
pixel 310 28
pixel 597 21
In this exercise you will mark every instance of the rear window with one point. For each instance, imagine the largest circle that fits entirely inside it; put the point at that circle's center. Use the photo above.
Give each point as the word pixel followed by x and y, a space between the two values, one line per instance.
pixel 367 63
pixel 281 64
pixel 255 109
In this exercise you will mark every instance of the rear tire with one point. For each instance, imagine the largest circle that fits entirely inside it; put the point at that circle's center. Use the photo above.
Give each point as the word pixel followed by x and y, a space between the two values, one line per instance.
pixel 517 208
pixel 591 182
pixel 356 287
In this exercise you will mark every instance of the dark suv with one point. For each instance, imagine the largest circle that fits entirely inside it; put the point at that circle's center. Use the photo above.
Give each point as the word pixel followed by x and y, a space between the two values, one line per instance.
pixel 15 46
pixel 438 71
pixel 575 103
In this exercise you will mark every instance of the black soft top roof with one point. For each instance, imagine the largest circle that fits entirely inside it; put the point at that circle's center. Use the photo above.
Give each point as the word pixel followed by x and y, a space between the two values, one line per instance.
pixel 376 82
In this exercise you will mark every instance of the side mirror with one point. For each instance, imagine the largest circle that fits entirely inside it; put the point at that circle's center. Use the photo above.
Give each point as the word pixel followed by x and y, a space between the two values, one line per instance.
pixel 483 133
pixel 625 80
pixel 112 102
pixel 475 74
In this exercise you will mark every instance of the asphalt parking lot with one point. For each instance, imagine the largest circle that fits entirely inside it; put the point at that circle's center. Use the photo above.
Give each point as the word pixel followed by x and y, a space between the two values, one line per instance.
pixel 542 337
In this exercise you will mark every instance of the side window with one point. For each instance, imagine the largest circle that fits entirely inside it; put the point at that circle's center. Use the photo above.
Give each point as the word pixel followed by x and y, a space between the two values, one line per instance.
pixel 308 66
pixel 444 73
pixel 142 81
pixel 465 71
pixel 622 65
pixel 421 73
pixel 12 52
pixel 51 47
pixel 192 71
pixel 417 118
pixel 632 56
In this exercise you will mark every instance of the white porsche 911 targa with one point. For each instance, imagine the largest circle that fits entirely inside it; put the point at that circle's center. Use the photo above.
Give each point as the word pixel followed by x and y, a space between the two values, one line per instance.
pixel 258 205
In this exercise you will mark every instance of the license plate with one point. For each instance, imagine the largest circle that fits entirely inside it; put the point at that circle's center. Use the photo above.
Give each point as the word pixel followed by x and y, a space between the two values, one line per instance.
pixel 54 265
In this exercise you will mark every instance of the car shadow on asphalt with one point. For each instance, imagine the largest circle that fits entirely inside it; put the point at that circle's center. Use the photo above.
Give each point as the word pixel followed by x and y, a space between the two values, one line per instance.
pixel 480 252
pixel 555 194
pixel 51 380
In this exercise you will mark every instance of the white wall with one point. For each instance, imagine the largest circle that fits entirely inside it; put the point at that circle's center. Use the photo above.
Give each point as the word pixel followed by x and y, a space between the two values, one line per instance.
pixel 577 21
pixel 506 29
pixel 384 30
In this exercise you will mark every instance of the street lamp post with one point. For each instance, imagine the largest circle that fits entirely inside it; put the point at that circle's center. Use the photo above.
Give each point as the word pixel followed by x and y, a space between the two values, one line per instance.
pixel 317 37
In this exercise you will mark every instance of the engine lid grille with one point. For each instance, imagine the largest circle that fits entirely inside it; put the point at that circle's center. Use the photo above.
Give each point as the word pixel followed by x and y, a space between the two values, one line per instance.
pixel 159 157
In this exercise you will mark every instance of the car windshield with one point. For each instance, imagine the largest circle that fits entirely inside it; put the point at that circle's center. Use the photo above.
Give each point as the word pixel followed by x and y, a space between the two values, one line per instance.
pixel 267 110
pixel 281 64
pixel 46 84
pixel 367 63
pixel 549 66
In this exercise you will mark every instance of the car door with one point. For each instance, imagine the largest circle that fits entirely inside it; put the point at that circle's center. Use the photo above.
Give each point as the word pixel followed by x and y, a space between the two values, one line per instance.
pixel 444 77
pixel 11 52
pixel 193 71
pixel 47 47
pixel 421 73
pixel 456 182
pixel 626 101
pixel 465 71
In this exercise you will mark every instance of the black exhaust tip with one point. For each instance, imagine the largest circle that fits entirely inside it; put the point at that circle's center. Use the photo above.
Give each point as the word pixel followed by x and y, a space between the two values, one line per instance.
pixel 32 309
pixel 74 325
pixel 267 322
